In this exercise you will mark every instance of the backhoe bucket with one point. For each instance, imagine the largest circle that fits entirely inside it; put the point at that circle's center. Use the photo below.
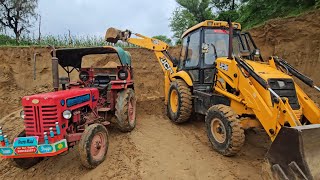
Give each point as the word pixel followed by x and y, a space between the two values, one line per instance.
pixel 295 153
pixel 113 35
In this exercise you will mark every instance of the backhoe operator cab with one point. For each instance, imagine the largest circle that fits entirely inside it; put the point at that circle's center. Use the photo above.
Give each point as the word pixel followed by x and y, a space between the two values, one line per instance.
pixel 221 74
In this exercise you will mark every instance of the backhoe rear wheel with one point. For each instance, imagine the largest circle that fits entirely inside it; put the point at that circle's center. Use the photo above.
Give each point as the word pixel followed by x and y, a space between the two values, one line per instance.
pixel 224 130
pixel 179 102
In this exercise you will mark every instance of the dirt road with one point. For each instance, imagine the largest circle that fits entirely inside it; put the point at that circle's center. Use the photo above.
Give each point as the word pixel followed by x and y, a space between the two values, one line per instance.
pixel 156 149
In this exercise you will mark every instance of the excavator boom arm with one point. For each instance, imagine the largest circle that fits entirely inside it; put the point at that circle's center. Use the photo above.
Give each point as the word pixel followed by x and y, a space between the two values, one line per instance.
pixel 159 47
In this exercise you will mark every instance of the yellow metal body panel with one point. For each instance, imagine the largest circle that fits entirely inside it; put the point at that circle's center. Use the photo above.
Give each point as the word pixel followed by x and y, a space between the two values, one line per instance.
pixel 183 75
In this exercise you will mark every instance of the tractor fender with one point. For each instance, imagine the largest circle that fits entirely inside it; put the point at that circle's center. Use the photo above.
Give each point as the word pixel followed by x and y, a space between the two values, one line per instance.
pixel 183 75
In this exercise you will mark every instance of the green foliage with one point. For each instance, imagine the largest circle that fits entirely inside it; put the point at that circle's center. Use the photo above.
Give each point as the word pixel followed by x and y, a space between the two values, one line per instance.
pixel 200 9
pixel 181 20
pixel 255 12
pixel 4 40
pixel 226 15
pixel 188 14
pixel 58 41
pixel 225 5
pixel 164 39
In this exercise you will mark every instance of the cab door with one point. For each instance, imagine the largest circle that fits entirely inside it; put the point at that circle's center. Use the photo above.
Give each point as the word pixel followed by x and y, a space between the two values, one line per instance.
pixel 190 56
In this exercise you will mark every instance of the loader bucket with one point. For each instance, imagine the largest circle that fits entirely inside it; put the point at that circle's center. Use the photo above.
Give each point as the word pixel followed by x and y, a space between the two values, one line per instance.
pixel 113 35
pixel 295 153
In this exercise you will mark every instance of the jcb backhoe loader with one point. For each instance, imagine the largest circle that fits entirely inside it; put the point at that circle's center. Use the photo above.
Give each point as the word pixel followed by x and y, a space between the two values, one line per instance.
pixel 221 74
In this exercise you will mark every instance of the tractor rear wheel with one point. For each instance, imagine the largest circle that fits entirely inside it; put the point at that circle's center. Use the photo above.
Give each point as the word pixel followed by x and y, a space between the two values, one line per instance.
pixel 93 146
pixel 126 110
pixel 224 130
pixel 179 107
pixel 25 163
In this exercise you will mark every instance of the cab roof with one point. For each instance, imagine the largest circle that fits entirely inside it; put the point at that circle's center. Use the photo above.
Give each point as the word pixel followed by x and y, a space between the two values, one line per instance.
pixel 73 56
pixel 212 23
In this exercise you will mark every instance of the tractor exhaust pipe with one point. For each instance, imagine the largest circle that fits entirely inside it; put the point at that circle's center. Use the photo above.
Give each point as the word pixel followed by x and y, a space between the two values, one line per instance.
pixel 35 65
pixel 55 69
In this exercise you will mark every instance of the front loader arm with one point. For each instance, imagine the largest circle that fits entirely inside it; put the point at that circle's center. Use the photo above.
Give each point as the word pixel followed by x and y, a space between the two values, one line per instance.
pixel 272 118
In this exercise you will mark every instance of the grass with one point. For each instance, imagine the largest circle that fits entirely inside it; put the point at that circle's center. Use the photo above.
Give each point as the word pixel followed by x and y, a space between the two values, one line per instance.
pixel 58 41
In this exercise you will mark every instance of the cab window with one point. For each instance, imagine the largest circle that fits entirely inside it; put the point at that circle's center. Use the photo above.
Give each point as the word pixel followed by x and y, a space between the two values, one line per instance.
pixel 193 52
pixel 183 52
pixel 218 42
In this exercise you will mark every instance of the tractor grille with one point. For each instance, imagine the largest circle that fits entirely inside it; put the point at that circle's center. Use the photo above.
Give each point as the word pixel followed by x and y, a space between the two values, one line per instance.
pixel 38 119
pixel 285 88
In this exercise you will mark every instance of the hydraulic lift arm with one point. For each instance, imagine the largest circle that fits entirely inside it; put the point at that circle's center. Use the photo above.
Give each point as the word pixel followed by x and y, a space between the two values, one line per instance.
pixel 159 47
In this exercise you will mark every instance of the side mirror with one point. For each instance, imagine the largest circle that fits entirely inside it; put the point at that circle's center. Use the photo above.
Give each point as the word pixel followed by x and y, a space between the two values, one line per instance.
pixel 205 48
pixel 256 53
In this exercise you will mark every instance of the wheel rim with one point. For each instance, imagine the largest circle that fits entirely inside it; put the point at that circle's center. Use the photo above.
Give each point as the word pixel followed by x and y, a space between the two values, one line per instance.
pixel 98 146
pixel 218 130
pixel 132 111
pixel 174 101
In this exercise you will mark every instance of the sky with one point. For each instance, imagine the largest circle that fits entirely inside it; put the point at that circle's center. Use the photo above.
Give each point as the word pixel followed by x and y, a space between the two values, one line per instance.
pixel 93 17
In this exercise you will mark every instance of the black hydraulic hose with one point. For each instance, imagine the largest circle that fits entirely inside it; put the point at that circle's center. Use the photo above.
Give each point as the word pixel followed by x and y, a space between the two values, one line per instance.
pixel 230 39
pixel 251 72
pixel 294 72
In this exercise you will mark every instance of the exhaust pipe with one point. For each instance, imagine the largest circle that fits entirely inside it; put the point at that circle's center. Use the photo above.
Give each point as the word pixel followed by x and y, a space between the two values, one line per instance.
pixel 35 65
pixel 55 69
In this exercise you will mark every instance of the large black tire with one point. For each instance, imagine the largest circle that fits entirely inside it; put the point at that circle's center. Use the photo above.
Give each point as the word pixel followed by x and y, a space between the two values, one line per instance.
pixel 125 110
pixel 179 111
pixel 25 163
pixel 93 146
pixel 224 130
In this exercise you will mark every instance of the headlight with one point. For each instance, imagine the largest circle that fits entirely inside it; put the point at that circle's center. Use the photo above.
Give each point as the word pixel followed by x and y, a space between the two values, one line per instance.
pixel 67 114
pixel 22 114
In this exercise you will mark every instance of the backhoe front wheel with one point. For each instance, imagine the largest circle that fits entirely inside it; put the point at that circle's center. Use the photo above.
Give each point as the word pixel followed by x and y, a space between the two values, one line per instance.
pixel 224 130
pixel 179 105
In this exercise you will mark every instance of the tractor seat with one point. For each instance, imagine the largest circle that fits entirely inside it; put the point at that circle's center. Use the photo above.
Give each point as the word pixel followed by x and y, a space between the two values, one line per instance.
pixel 101 81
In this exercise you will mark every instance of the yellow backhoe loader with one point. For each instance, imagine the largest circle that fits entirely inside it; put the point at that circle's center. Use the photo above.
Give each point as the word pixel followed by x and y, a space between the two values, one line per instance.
pixel 221 74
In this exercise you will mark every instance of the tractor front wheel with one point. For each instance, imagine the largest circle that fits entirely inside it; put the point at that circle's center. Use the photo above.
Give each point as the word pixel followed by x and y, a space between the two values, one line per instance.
pixel 126 110
pixel 179 107
pixel 25 163
pixel 93 146
pixel 224 130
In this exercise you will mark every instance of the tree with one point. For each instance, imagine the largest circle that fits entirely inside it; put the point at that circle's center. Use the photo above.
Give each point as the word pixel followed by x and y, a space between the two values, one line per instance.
pixel 200 9
pixel 163 38
pixel 224 5
pixel 189 13
pixel 17 15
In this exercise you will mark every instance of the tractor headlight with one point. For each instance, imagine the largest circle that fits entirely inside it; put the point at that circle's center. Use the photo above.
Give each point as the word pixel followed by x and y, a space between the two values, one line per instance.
pixel 22 115
pixel 67 114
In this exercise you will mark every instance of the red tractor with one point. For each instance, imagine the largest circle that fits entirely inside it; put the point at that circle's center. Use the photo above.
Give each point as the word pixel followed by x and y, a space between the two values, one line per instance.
pixel 75 112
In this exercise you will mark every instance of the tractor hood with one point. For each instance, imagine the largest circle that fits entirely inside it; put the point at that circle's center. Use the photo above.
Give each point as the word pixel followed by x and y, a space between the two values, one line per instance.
pixel 266 72
pixel 66 98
